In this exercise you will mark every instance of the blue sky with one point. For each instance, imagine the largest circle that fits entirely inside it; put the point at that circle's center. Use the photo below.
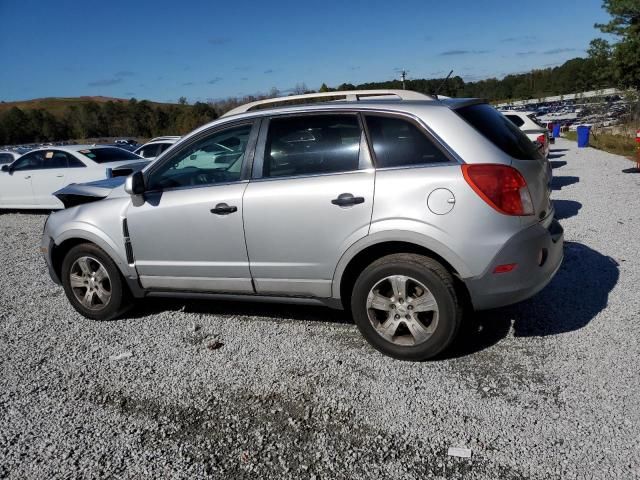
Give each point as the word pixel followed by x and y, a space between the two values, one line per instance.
pixel 209 49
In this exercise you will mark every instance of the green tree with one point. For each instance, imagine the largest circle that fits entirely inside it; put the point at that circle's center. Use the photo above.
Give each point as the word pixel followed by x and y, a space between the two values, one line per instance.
pixel 624 24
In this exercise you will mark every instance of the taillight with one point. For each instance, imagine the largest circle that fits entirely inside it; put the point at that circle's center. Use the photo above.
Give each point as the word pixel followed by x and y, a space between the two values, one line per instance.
pixel 501 186
pixel 542 139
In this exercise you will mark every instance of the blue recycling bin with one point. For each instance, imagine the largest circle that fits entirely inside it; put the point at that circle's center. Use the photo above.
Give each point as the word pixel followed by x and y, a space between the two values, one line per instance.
pixel 556 130
pixel 583 136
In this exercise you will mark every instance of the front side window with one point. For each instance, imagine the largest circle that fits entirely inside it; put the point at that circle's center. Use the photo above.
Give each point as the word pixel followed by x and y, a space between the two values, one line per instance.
pixel 30 161
pixel 398 143
pixel 6 158
pixel 216 158
pixel 311 145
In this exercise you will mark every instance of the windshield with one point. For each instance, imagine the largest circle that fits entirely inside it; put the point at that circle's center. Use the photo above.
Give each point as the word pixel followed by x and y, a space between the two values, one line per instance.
pixel 108 154
pixel 500 131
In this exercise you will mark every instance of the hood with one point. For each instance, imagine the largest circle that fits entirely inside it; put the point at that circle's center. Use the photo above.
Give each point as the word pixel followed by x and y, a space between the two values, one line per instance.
pixel 79 193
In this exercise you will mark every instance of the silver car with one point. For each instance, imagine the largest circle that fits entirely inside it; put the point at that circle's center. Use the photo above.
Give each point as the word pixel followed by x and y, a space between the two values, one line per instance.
pixel 402 208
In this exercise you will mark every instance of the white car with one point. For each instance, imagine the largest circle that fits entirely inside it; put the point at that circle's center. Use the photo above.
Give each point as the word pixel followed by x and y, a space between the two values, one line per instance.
pixel 154 147
pixel 533 129
pixel 30 181
pixel 7 156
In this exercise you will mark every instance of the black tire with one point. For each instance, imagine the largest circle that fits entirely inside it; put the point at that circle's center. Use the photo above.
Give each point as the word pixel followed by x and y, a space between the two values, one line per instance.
pixel 433 276
pixel 120 298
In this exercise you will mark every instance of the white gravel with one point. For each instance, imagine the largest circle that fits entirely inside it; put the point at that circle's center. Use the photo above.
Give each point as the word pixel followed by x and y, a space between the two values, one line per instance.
pixel 545 389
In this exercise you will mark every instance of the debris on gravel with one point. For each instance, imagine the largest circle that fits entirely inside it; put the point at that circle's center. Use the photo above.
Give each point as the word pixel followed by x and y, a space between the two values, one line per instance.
pixel 545 389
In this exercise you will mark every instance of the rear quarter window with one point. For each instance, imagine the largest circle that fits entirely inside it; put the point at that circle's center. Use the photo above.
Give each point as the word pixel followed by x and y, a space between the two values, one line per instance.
pixel 500 131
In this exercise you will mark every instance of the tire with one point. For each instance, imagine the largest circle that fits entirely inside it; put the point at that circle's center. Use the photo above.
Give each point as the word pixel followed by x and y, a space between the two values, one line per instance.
pixel 109 297
pixel 417 327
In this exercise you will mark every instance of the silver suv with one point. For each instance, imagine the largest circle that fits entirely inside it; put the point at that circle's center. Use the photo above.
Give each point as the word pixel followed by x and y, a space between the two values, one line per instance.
pixel 400 207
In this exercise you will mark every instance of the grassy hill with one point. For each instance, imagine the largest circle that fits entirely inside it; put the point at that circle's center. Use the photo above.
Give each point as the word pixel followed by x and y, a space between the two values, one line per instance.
pixel 57 105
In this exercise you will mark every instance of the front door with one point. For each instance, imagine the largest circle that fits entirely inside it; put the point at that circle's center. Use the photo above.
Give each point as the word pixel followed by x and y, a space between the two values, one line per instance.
pixel 310 199
pixel 187 232
pixel 15 185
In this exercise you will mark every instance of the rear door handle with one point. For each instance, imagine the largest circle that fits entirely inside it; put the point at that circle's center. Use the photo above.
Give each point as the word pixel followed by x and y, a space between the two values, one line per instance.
pixel 27 177
pixel 59 176
pixel 347 199
pixel 224 209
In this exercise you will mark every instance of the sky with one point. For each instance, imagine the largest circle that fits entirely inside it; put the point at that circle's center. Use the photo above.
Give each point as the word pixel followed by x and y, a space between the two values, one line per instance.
pixel 162 50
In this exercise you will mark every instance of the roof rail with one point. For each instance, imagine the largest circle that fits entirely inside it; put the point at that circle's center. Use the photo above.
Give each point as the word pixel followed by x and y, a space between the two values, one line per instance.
pixel 350 95
pixel 164 137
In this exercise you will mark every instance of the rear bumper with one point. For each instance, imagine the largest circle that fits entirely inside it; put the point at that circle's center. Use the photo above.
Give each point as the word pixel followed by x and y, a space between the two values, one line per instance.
pixel 492 290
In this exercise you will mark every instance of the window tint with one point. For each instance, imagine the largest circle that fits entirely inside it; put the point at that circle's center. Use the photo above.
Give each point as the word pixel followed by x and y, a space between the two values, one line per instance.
pixel 148 151
pixel 312 144
pixel 500 131
pixel 535 120
pixel 163 146
pixel 30 161
pixel 108 154
pixel 6 158
pixel 398 142
pixel 216 158
pixel 517 121
pixel 74 162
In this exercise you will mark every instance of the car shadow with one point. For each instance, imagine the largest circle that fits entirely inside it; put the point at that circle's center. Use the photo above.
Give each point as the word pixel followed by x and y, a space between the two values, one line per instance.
pixel 558 150
pixel 556 155
pixel 578 292
pixel 275 311
pixel 557 163
pixel 566 208
pixel 25 212
pixel 631 170
pixel 558 183
pixel 576 295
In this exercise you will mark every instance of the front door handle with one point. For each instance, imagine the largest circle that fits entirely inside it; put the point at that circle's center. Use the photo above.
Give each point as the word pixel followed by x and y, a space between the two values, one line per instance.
pixel 59 176
pixel 347 199
pixel 224 209
pixel 27 177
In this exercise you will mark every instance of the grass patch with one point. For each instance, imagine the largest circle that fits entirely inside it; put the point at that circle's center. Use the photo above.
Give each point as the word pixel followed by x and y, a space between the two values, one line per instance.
pixel 618 144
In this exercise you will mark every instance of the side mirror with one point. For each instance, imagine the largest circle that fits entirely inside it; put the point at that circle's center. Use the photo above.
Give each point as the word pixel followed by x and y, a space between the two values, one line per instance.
pixel 6 168
pixel 134 185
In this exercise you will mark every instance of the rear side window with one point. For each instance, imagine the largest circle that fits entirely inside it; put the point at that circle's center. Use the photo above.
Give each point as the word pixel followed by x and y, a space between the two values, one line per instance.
pixel 311 145
pixel 517 121
pixel 500 131
pixel 108 154
pixel 148 151
pixel 6 158
pixel 399 143
pixel 535 120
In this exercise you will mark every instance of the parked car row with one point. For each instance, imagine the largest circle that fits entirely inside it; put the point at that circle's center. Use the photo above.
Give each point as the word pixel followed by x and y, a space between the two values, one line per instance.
pixel 404 211
pixel 29 180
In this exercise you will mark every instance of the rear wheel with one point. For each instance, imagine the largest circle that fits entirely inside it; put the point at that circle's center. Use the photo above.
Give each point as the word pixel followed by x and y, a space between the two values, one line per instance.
pixel 93 284
pixel 406 306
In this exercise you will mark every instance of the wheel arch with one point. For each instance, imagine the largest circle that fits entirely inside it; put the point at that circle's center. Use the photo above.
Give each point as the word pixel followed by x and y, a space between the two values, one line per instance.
pixel 362 254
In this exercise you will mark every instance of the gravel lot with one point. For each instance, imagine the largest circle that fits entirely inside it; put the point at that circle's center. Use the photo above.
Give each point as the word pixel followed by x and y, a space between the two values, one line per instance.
pixel 544 389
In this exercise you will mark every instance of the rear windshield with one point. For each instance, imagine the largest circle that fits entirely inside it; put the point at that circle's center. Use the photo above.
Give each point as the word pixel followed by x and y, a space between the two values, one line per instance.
pixel 108 154
pixel 535 120
pixel 500 131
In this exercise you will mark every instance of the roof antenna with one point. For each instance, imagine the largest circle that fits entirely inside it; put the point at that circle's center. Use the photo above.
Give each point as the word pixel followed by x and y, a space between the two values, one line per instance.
pixel 442 85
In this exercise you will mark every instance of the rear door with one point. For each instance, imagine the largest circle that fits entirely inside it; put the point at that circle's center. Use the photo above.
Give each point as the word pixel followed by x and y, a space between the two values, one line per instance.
pixel 310 198
pixel 49 178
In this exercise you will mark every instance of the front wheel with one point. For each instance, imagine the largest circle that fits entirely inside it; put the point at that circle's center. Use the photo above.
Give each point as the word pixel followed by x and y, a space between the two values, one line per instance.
pixel 406 306
pixel 93 284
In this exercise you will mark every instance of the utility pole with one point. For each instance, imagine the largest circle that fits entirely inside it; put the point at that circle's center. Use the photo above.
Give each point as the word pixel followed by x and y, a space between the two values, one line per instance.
pixel 403 77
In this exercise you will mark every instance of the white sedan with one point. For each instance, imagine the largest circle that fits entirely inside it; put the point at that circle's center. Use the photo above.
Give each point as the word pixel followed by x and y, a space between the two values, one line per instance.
pixel 30 180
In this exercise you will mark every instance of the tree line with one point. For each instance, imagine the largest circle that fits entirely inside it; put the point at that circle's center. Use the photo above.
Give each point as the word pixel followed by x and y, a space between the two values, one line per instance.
pixel 93 119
